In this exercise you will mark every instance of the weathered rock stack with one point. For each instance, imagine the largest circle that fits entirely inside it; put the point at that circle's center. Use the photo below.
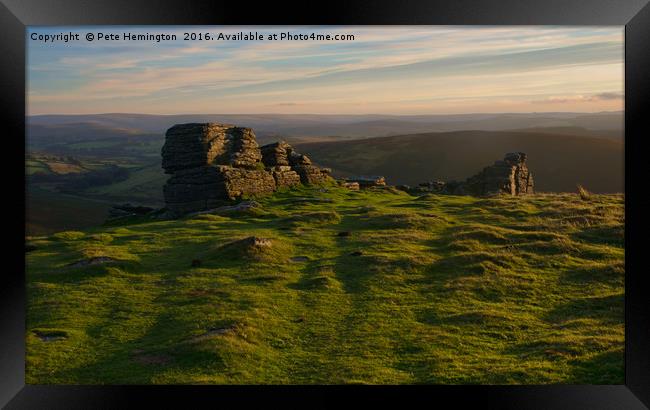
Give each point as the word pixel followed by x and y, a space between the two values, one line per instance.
pixel 284 162
pixel 277 157
pixel 210 163
pixel 508 176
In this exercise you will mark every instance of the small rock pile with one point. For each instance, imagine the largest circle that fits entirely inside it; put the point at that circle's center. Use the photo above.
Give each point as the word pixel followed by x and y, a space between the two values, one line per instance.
pixel 366 182
pixel 353 186
pixel 210 163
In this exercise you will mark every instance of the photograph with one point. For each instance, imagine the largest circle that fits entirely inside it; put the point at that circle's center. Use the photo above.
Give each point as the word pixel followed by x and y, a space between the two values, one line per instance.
pixel 309 205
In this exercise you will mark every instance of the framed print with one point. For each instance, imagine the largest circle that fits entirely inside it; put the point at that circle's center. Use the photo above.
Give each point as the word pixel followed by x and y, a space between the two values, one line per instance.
pixel 230 203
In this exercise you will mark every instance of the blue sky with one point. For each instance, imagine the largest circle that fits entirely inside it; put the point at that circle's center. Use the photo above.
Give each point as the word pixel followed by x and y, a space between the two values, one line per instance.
pixel 385 70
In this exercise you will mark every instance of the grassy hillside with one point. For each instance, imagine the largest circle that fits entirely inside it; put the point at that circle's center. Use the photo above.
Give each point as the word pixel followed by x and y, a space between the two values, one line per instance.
pixel 558 162
pixel 144 186
pixel 70 193
pixel 435 289
pixel 94 140
pixel 49 211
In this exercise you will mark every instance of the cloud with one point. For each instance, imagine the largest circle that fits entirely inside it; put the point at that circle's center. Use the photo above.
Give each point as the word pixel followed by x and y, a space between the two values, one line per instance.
pixel 608 96
pixel 572 99
pixel 385 65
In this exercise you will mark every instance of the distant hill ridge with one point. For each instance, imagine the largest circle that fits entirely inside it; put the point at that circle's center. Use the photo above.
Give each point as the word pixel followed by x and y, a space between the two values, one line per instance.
pixel 347 125
pixel 564 148
pixel 559 162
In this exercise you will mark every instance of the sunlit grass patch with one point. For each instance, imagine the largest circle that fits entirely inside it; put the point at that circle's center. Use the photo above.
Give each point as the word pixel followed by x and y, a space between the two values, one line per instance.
pixel 364 287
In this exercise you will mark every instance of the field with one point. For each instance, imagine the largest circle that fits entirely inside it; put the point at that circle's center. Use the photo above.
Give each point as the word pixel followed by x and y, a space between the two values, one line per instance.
pixel 58 198
pixel 143 186
pixel 49 211
pixel 376 286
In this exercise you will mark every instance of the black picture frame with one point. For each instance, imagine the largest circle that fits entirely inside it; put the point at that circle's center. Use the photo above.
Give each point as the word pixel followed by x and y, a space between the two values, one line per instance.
pixel 15 15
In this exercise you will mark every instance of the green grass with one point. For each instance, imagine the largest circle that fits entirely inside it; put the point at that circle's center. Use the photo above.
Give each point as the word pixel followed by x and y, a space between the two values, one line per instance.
pixel 436 289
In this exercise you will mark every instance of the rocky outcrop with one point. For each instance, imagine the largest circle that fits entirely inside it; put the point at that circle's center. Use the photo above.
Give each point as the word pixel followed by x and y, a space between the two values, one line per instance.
pixel 508 176
pixel 310 174
pixel 276 157
pixel 212 163
pixel 239 182
pixel 196 145
pixel 284 176
pixel 276 154
pixel 286 162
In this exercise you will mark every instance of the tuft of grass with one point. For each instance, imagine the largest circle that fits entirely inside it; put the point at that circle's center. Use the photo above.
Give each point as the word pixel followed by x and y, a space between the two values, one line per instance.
pixel 252 248
pixel 583 193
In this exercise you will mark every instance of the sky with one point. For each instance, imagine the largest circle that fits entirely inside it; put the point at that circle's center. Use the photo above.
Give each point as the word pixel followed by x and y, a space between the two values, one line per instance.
pixel 396 70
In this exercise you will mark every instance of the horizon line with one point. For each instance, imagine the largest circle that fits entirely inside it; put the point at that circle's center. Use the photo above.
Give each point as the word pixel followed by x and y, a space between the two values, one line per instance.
pixel 332 115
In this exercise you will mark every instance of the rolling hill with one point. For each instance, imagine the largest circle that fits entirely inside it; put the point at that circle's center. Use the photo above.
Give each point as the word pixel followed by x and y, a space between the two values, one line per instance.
pixel 558 161
pixel 312 125
pixel 93 140
pixel 564 149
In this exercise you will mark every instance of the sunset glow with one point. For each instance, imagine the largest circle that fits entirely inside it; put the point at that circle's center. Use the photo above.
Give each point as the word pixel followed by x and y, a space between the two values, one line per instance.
pixel 384 70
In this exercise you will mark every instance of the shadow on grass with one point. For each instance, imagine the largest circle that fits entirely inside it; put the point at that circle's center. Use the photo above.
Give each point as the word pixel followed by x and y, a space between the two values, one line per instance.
pixel 317 275
pixel 165 347
pixel 613 235
pixel 609 273
pixel 75 276
pixel 603 368
pixel 608 309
